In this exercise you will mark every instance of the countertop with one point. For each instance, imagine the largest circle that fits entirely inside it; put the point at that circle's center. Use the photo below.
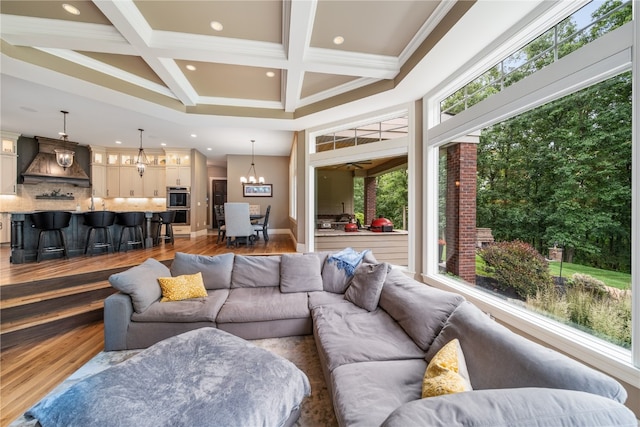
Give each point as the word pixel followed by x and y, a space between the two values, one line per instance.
pixel 333 233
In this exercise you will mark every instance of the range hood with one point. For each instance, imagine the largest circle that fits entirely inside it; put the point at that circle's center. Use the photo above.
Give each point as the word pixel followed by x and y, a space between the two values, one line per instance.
pixel 45 168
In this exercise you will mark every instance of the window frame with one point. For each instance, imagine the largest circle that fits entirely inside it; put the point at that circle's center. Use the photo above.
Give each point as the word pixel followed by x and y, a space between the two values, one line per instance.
pixel 603 58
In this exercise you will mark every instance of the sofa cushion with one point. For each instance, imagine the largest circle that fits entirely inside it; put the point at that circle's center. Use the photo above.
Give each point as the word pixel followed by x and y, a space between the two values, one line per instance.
pixel 255 271
pixel 141 283
pixel 262 304
pixel 216 270
pixel 182 287
pixel 300 273
pixel 346 333
pixel 447 372
pixel 187 311
pixel 520 407
pixel 363 403
pixel 366 286
pixel 521 363
pixel 420 309
pixel 335 279
pixel 317 299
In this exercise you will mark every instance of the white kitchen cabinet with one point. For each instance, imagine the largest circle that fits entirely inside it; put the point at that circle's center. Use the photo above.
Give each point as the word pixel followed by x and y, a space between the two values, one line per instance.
pixel 8 163
pixel 179 176
pixel 113 181
pixel 130 182
pixel 154 182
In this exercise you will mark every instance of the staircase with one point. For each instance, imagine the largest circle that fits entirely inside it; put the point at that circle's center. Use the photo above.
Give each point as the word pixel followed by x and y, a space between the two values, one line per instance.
pixel 43 308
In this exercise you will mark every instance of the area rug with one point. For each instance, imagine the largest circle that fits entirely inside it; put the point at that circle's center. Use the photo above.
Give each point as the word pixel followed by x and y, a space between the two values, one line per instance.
pixel 316 410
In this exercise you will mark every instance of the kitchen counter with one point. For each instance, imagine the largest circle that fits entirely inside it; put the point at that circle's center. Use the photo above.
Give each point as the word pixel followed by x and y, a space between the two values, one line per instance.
pixel 24 237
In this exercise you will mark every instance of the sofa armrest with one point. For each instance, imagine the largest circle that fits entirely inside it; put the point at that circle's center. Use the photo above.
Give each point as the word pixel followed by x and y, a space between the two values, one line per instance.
pixel 513 407
pixel 117 316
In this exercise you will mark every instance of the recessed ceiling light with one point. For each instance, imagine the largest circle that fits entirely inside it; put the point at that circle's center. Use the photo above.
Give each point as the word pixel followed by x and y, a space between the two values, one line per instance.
pixel 208 148
pixel 338 40
pixel 71 9
pixel 164 144
pixel 217 26
pixel 118 142
pixel 191 67
pixel 270 74
pixel 193 135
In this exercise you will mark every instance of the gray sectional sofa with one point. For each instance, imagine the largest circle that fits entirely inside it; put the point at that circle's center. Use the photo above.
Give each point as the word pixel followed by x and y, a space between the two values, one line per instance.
pixel 375 331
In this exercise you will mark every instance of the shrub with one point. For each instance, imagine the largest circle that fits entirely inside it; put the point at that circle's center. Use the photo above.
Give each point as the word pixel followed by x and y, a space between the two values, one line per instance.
pixel 588 284
pixel 517 265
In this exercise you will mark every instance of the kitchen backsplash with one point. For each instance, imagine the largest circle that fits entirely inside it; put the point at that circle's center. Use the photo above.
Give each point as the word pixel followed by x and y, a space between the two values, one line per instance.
pixel 25 200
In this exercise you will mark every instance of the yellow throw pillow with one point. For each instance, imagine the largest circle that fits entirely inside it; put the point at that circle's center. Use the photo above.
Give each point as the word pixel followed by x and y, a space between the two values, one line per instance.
pixel 182 287
pixel 447 372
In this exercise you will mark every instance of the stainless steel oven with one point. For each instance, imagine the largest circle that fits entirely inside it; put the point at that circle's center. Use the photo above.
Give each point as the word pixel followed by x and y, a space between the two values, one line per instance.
pixel 183 216
pixel 178 197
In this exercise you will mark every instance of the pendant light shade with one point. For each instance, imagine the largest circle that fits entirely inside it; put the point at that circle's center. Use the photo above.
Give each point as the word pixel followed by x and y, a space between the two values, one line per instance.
pixel 141 161
pixel 64 157
pixel 251 174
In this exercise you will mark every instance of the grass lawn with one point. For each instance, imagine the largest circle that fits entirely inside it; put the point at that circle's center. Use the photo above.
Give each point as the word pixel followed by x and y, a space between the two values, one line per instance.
pixel 610 278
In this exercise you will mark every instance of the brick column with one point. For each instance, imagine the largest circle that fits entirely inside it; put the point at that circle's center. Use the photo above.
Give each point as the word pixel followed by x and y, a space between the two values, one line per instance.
pixel 461 210
pixel 370 187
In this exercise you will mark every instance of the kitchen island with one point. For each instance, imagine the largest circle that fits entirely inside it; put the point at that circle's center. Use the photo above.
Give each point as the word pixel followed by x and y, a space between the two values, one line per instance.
pixel 391 247
pixel 24 236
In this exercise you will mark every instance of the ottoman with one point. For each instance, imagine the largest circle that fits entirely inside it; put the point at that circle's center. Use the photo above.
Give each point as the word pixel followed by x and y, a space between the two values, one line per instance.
pixel 202 377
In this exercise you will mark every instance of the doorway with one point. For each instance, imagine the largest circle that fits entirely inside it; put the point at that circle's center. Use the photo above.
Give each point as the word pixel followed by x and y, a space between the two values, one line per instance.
pixel 219 191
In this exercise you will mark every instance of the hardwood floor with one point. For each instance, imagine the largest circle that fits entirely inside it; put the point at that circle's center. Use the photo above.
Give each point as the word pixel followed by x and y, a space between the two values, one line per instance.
pixel 30 370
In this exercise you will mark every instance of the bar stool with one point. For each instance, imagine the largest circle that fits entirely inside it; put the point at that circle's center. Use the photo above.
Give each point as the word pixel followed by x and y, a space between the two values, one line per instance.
pixel 48 222
pixel 165 218
pixel 99 221
pixel 131 223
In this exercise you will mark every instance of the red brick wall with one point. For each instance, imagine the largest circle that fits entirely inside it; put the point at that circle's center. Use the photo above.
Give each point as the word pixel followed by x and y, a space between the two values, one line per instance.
pixel 461 210
pixel 370 188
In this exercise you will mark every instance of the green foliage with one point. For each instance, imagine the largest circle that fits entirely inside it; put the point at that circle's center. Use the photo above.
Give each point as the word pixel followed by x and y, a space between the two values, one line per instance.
pixel 517 265
pixel 392 195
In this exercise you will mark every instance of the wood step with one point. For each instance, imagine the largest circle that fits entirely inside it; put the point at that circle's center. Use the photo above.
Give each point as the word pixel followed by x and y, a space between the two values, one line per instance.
pixel 38 320
pixel 48 295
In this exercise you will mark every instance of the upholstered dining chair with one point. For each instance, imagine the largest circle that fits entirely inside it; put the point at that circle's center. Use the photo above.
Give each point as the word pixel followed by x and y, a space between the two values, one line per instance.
pixel 222 229
pixel 238 223
pixel 263 225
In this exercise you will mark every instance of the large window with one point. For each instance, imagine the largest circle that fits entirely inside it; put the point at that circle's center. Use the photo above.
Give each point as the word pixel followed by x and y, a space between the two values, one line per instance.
pixel 554 189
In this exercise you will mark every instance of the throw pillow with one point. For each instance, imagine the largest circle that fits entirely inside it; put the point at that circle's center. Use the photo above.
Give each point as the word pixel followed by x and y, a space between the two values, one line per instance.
pixel 216 270
pixel 300 273
pixel 447 372
pixel 140 283
pixel 336 279
pixel 182 287
pixel 255 271
pixel 366 286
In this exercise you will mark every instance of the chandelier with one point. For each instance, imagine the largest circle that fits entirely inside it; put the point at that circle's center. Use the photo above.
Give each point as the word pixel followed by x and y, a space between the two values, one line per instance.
pixel 252 170
pixel 64 157
pixel 141 161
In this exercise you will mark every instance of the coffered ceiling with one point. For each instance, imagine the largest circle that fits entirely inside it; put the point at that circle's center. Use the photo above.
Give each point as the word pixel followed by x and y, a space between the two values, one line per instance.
pixel 226 71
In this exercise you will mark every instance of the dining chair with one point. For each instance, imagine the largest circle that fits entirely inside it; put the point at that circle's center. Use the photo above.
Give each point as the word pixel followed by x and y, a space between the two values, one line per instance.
pixel 238 224
pixel 222 228
pixel 263 225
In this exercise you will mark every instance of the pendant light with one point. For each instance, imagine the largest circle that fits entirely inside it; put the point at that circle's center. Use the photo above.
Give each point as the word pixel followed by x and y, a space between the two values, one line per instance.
pixel 141 161
pixel 252 168
pixel 64 157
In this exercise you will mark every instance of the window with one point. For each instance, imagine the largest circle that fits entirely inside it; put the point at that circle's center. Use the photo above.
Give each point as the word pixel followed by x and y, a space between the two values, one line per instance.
pixel 585 25
pixel 384 130
pixel 554 184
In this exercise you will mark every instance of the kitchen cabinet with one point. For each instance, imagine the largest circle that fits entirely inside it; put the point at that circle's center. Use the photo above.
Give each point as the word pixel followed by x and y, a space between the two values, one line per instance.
pixel 5 227
pixel 113 181
pixel 130 182
pixel 154 182
pixel 98 172
pixel 178 171
pixel 8 163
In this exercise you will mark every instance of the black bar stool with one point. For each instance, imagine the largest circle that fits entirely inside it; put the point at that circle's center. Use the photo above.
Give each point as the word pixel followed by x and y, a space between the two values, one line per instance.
pixel 165 218
pixel 51 222
pixel 131 223
pixel 99 221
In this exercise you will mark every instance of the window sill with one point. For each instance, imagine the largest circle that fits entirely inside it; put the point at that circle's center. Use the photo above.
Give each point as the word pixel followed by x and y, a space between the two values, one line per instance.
pixel 608 358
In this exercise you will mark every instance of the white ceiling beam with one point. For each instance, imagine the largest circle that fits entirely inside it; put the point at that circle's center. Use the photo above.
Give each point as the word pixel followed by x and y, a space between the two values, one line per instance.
pixel 127 19
pixel 351 63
